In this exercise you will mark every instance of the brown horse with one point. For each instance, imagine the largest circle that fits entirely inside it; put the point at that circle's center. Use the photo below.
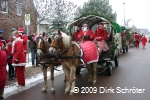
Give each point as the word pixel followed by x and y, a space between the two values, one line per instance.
pixel 61 44
pixel 43 51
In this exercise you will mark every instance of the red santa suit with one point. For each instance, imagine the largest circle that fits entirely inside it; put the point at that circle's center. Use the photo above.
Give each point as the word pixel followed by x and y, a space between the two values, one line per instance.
pixel 25 40
pixel 144 40
pixel 76 36
pixel 3 58
pixel 18 59
pixel 88 32
pixel 100 37
pixel 137 40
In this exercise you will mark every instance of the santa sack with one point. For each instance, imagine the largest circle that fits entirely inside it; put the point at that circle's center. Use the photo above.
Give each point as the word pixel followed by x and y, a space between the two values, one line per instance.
pixel 90 52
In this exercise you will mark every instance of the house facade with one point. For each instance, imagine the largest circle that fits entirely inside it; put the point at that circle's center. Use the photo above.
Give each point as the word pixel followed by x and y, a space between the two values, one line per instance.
pixel 12 15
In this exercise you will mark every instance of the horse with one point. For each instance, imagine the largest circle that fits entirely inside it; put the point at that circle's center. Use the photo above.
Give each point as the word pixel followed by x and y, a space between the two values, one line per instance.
pixel 62 45
pixel 42 47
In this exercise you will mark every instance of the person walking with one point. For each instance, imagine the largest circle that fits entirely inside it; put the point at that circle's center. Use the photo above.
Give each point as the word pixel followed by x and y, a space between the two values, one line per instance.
pixel 137 39
pixel 32 46
pixel 3 57
pixel 11 72
pixel 19 60
pixel 144 40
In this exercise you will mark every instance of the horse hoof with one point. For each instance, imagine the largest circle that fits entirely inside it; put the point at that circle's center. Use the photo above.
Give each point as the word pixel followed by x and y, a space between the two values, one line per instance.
pixel 52 91
pixel 94 82
pixel 66 92
pixel 71 93
pixel 43 91
pixel 89 81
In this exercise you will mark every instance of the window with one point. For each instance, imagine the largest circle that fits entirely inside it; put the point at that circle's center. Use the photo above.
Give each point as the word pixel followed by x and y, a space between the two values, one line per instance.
pixel 4 6
pixel 19 9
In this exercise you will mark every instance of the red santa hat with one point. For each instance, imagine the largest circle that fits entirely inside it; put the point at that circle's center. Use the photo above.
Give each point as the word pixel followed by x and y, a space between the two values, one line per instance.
pixel 101 23
pixel 20 30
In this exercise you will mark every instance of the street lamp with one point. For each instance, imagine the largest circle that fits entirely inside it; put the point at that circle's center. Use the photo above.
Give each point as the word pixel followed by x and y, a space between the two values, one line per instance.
pixel 124 13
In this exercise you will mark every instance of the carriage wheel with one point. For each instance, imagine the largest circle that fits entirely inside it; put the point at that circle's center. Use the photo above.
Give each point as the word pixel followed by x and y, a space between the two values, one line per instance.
pixel 116 60
pixel 109 68
pixel 126 48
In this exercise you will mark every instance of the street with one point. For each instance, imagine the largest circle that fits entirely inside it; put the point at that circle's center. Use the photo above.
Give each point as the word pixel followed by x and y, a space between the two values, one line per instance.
pixel 129 81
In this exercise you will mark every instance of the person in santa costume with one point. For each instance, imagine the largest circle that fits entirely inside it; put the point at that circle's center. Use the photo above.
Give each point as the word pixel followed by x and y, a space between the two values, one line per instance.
pixel 3 58
pixel 24 38
pixel 18 60
pixel 101 36
pixel 75 35
pixel 137 39
pixel 86 34
pixel 144 40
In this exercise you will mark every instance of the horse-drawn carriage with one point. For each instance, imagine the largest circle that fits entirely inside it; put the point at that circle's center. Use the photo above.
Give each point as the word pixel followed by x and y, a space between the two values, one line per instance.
pixel 59 49
pixel 106 57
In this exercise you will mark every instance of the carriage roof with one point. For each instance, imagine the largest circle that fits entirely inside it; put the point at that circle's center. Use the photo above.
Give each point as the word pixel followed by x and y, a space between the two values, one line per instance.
pixel 90 20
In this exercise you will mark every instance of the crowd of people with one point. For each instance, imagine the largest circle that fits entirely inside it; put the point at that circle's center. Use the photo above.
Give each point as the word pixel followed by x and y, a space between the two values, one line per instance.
pixel 13 51
pixel 138 38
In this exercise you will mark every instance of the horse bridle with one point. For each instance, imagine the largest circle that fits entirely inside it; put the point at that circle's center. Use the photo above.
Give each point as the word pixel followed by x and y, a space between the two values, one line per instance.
pixel 58 41
pixel 42 42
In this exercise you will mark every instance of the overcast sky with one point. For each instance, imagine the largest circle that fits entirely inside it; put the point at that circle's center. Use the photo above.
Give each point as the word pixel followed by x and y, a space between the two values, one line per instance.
pixel 138 11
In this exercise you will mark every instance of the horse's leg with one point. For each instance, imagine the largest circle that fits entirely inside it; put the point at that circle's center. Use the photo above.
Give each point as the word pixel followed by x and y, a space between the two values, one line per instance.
pixel 94 72
pixel 67 75
pixel 89 73
pixel 52 78
pixel 73 79
pixel 44 70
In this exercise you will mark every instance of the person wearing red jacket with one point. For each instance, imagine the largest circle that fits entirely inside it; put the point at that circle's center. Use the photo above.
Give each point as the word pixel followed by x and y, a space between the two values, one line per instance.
pixel 24 38
pixel 11 72
pixel 144 40
pixel 101 36
pixel 3 58
pixel 137 39
pixel 86 34
pixel 75 35
pixel 19 60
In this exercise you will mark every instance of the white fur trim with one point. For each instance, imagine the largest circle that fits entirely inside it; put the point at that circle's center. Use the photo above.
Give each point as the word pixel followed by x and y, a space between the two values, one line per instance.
pixel 19 64
pixel 14 42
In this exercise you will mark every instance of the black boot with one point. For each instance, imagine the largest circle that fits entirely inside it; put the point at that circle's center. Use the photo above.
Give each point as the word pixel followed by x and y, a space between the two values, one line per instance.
pixel 12 77
pixel 9 78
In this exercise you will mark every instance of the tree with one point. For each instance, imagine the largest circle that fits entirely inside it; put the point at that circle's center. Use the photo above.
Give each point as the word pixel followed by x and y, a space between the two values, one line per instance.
pixel 58 13
pixel 100 7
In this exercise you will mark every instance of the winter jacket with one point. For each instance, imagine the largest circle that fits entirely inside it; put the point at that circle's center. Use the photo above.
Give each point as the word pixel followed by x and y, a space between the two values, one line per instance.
pixel 18 54
pixel 32 44
pixel 3 57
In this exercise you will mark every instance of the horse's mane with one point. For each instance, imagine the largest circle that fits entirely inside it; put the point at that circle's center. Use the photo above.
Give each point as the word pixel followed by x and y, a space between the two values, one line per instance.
pixel 66 39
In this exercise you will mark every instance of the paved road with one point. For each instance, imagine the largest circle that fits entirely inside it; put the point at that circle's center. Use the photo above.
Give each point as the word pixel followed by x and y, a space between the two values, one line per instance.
pixel 132 74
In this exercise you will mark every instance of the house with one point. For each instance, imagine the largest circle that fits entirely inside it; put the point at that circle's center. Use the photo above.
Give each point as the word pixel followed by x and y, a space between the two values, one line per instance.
pixel 42 26
pixel 12 15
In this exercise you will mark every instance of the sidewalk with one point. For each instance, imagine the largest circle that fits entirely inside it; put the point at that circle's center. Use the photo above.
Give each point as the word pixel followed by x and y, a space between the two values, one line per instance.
pixel 29 72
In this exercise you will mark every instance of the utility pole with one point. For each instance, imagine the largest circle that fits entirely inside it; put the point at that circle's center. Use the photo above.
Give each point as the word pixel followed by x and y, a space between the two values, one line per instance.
pixel 124 14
